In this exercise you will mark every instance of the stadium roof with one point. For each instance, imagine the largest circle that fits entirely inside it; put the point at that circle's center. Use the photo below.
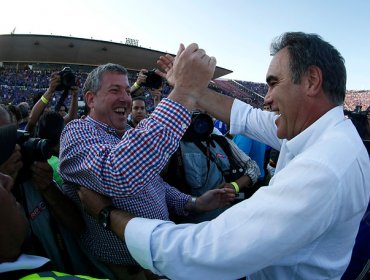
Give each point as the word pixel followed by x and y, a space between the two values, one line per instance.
pixel 70 50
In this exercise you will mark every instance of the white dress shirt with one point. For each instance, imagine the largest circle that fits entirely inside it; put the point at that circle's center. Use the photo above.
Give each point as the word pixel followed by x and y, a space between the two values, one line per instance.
pixel 302 226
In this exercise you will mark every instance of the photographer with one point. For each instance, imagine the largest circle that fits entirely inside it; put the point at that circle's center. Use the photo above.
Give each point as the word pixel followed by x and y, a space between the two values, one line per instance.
pixel 15 261
pixel 206 161
pixel 148 84
pixel 13 162
pixel 48 209
pixel 55 84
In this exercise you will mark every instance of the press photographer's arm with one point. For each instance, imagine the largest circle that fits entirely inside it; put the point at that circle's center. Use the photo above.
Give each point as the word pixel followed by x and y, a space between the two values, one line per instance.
pixel 43 102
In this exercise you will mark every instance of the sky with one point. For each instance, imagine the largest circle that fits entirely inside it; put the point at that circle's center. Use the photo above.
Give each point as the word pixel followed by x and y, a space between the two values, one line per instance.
pixel 237 32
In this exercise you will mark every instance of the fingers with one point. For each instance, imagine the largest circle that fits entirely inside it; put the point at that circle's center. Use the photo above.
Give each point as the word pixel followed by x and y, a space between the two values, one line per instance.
pixel 212 62
pixel 42 166
pixel 165 62
pixel 189 50
pixel 181 50
pixel 160 73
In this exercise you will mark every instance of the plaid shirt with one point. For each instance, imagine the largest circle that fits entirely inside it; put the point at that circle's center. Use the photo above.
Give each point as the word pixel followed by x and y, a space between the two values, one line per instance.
pixel 126 169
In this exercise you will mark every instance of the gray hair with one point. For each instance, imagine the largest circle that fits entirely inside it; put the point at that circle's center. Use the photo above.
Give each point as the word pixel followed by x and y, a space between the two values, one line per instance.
pixel 93 80
pixel 306 50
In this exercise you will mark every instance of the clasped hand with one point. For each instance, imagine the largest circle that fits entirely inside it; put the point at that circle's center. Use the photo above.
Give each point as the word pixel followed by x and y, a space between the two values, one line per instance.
pixel 190 71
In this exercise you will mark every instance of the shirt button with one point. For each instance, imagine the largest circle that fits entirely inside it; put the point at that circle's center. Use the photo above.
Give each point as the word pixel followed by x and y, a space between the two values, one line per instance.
pixel 183 125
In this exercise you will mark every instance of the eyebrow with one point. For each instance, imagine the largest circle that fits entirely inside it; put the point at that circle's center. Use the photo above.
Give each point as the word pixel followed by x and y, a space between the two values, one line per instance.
pixel 270 78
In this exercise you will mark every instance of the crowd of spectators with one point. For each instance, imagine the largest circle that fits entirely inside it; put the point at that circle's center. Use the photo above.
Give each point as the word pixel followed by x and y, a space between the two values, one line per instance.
pixel 357 98
pixel 24 85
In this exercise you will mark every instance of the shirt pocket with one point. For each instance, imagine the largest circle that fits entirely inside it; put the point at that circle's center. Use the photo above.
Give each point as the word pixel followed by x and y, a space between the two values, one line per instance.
pixel 195 168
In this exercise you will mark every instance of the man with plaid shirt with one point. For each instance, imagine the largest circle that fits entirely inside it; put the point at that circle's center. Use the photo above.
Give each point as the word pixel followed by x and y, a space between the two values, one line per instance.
pixel 103 154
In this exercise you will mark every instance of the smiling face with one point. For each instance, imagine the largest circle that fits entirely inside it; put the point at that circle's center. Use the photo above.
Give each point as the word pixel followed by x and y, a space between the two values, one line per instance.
pixel 111 104
pixel 285 97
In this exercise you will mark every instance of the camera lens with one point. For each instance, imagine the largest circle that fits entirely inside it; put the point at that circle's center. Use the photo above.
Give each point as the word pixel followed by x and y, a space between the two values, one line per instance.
pixel 200 128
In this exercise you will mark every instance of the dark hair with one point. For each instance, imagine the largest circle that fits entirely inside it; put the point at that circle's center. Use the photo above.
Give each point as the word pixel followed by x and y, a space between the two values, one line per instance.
pixel 23 110
pixel 14 112
pixel 142 98
pixel 50 127
pixel 306 50
pixel 58 106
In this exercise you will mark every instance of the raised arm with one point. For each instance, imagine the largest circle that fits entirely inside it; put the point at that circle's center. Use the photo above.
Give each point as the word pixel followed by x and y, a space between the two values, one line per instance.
pixel 215 104
pixel 72 113
pixel 141 78
pixel 43 102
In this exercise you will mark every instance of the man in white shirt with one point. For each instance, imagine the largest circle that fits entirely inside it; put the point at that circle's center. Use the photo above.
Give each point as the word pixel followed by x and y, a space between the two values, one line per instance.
pixel 304 224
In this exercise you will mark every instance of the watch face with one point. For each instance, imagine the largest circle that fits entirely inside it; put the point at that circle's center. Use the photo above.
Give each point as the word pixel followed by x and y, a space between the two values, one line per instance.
pixel 104 216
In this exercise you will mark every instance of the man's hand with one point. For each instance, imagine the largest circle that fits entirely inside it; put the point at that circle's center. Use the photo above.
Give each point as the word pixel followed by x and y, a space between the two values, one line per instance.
pixel 213 199
pixel 42 175
pixel 54 82
pixel 166 64
pixel 93 202
pixel 141 77
pixel 13 164
pixel 227 186
pixel 190 73
pixel 191 70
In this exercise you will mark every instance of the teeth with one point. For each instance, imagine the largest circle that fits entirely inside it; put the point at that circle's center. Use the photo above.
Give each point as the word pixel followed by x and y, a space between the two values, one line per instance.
pixel 120 110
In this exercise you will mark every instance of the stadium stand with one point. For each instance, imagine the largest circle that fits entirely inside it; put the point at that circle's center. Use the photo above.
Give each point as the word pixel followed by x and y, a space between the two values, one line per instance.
pixel 22 85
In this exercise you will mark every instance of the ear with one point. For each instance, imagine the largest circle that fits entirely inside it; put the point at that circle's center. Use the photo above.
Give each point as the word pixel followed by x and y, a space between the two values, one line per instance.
pixel 314 80
pixel 89 99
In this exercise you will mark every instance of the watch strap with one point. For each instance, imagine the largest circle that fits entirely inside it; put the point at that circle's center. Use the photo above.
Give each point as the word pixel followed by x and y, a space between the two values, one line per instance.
pixel 104 216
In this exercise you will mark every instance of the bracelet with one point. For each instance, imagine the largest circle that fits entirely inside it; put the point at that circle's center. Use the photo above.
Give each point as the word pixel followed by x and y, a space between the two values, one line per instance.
pixel 193 202
pixel 136 85
pixel 44 100
pixel 236 186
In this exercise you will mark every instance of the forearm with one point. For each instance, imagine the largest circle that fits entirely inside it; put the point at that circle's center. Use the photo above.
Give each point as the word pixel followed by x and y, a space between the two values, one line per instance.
pixel 135 87
pixel 72 114
pixel 216 104
pixel 63 208
pixel 244 182
pixel 182 97
pixel 37 110
pixel 118 222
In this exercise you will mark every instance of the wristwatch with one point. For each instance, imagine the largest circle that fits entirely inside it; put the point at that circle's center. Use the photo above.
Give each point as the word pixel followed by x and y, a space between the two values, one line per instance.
pixel 104 216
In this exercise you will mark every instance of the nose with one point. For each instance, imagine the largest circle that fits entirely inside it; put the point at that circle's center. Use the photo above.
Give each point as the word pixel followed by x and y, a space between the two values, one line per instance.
pixel 6 181
pixel 268 98
pixel 125 96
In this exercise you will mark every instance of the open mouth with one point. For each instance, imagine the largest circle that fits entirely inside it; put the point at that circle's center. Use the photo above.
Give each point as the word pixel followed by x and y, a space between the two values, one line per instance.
pixel 120 111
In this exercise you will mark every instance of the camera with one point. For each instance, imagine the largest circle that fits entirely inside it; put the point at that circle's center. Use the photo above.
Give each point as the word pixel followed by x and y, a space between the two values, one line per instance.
pixel 67 79
pixel 32 149
pixel 200 128
pixel 153 80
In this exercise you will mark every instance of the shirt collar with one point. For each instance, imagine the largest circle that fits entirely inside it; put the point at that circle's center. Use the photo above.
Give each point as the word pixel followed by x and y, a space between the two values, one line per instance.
pixel 310 135
pixel 102 125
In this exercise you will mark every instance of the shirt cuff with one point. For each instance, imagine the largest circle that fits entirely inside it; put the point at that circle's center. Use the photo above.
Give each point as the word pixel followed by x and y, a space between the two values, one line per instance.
pixel 140 248
pixel 173 115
